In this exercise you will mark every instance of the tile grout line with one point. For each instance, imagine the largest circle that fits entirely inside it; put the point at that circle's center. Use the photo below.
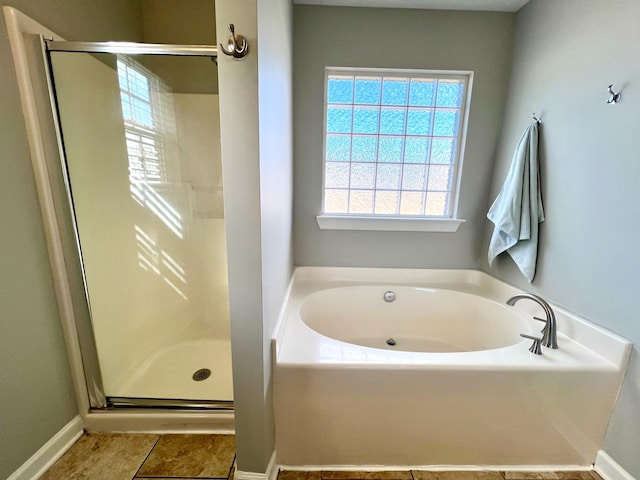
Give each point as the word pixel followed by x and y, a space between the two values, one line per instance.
pixel 233 463
pixel 178 478
pixel 146 457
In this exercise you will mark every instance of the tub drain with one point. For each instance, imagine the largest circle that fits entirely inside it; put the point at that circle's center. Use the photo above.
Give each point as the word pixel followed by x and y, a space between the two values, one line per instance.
pixel 391 342
pixel 201 374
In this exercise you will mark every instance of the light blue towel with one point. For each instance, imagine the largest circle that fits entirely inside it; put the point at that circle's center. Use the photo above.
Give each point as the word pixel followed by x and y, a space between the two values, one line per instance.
pixel 517 210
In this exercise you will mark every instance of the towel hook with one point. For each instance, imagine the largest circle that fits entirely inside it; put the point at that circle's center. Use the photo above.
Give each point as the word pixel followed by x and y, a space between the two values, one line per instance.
pixel 615 97
pixel 232 49
pixel 536 119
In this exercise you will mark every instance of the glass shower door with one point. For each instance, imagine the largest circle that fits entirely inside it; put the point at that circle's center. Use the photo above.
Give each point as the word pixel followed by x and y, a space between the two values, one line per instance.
pixel 141 142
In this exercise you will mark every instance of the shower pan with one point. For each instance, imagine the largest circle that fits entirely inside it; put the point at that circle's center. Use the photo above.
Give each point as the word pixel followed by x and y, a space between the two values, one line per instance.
pixel 138 132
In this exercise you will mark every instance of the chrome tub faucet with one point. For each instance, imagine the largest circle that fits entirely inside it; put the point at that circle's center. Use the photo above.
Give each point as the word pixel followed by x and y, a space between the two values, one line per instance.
pixel 549 333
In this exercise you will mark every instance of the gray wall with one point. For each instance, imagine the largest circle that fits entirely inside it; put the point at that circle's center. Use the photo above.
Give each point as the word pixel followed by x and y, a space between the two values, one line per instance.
pixel 36 394
pixel 255 107
pixel 238 82
pixel 182 22
pixel 396 38
pixel 566 54
pixel 275 33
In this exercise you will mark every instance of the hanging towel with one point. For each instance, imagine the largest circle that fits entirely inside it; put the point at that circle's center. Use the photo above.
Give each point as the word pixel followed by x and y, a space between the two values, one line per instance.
pixel 517 210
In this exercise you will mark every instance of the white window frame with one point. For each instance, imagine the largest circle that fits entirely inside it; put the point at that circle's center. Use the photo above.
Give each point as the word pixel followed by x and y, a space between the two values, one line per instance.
pixel 421 223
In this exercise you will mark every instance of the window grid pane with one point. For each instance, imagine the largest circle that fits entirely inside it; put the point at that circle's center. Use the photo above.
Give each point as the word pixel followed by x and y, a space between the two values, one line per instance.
pixel 391 144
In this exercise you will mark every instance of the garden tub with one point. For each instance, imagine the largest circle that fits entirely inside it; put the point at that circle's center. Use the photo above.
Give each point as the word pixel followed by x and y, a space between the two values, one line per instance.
pixel 405 368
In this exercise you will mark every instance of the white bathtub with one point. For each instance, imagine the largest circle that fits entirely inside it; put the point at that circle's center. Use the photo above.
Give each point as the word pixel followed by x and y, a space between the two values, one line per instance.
pixel 413 319
pixel 458 388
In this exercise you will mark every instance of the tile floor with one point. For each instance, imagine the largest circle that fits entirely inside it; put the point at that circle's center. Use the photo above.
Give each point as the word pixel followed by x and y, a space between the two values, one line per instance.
pixel 124 456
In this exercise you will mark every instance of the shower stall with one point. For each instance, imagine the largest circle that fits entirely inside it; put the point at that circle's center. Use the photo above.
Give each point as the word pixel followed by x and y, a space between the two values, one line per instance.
pixel 126 153
pixel 138 127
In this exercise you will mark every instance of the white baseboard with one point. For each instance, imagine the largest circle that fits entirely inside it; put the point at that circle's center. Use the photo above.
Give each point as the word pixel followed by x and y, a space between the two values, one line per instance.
pixel 270 474
pixel 438 468
pixel 50 451
pixel 609 469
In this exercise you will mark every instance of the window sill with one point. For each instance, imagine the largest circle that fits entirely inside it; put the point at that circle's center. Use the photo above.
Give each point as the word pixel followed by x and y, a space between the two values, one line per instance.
pixel 388 224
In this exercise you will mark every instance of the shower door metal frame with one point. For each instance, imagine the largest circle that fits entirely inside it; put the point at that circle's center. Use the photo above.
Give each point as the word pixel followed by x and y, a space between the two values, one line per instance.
pixel 91 365
pixel 132 48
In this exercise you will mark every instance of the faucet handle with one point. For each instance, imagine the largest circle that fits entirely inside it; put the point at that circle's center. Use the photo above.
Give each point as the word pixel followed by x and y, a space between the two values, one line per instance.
pixel 536 346
pixel 545 329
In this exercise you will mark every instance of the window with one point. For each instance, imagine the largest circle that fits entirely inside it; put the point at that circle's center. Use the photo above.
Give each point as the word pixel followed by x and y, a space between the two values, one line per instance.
pixel 146 112
pixel 392 146
pixel 149 125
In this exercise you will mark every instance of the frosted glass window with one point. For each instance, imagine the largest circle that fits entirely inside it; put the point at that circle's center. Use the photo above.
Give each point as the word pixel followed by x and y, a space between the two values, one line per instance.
pixel 388 177
pixel 422 92
pixel 368 90
pixel 394 91
pixel 339 119
pixel 419 121
pixel 439 177
pixel 392 121
pixel 442 150
pixel 449 94
pixel 340 89
pixel 365 120
pixel 436 202
pixel 363 175
pixel 446 123
pixel 361 201
pixel 337 175
pixel 336 201
pixel 412 203
pixel 338 148
pixel 392 141
pixel 416 150
pixel 414 177
pixel 386 202
pixel 364 148
pixel 390 149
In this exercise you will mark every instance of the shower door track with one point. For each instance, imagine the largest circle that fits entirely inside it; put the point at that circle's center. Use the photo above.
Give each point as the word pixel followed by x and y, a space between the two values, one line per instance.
pixel 166 403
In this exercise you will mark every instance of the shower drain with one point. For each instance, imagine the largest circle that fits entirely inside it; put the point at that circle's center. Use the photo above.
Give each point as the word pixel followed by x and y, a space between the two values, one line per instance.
pixel 201 374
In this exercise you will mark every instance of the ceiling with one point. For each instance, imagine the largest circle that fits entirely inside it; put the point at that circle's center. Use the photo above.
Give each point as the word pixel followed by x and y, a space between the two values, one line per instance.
pixel 490 5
